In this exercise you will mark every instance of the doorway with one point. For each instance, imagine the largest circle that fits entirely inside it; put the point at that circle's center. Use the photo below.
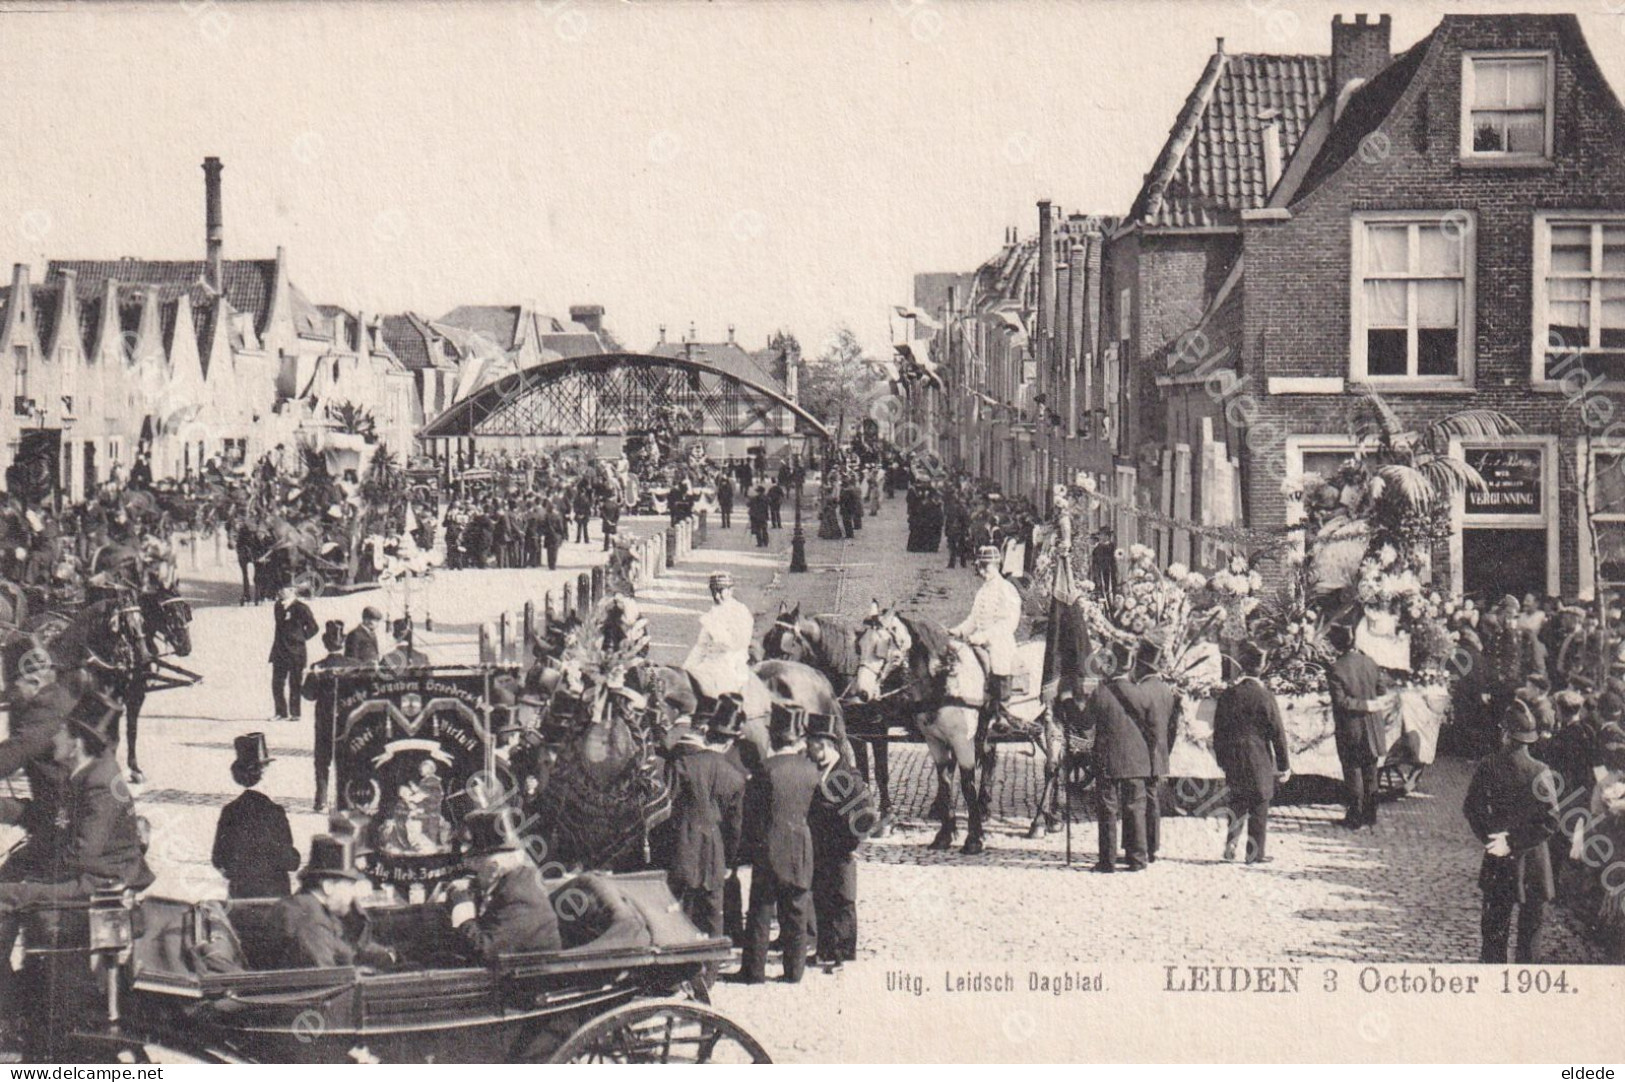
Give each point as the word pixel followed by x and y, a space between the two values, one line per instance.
pixel 1500 561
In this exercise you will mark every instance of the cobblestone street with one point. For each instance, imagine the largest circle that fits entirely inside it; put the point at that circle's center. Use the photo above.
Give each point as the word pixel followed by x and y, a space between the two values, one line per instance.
pixel 1405 892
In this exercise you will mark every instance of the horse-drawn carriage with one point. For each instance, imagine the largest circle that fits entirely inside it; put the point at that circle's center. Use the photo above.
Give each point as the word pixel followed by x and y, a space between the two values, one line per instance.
pixel 416 750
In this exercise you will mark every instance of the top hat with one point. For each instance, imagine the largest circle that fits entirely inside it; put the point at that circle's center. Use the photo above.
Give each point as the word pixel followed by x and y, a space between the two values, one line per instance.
pixel 487 831
pixel 725 715
pixel 988 554
pixel 401 627
pixel 720 579
pixel 822 726
pixel 96 716
pixel 1519 723
pixel 330 858
pixel 251 750
pixel 787 719
pixel 333 636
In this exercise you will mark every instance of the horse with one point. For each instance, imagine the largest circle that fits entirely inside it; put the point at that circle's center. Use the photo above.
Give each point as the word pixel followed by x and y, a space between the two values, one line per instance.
pixel 109 640
pixel 828 643
pixel 945 688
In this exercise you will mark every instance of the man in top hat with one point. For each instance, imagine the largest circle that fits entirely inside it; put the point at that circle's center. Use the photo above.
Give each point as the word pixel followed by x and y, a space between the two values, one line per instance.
pixel 1359 693
pixel 1512 807
pixel 719 663
pixel 841 816
pixel 321 926
pixel 406 654
pixel 707 796
pixel 990 629
pixel 510 910
pixel 295 626
pixel 1122 763
pixel 321 687
pixel 253 845
pixel 779 842
pixel 1158 717
pixel 98 840
pixel 361 644
pixel 1249 743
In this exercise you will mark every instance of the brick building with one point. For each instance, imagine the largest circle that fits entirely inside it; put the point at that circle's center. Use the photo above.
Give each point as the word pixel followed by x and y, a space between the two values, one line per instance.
pixel 1449 231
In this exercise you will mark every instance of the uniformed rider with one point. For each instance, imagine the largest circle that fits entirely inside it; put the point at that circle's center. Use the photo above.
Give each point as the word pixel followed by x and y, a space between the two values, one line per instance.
pixel 990 629
pixel 719 663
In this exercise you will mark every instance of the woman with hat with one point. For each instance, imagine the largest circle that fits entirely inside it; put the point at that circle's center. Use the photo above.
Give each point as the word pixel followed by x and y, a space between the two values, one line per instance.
pixel 315 928
pixel 253 844
pixel 1512 806
pixel 509 911
pixel 841 816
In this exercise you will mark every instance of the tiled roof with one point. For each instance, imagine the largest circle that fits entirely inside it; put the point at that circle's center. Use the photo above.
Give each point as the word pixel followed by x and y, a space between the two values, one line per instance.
pixel 1365 108
pixel 499 323
pixel 203 320
pixel 728 356
pixel 249 283
pixel 1212 166
pixel 573 344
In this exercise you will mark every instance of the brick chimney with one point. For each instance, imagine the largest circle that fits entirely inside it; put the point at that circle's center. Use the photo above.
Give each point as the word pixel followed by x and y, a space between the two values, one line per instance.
pixel 214 226
pixel 590 316
pixel 1359 49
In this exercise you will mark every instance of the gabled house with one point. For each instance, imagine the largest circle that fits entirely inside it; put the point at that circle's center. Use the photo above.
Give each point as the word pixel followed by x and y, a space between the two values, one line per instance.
pixel 1449 232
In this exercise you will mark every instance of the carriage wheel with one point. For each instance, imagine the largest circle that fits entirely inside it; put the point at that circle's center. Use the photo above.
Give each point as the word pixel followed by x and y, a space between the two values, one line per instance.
pixel 662 1032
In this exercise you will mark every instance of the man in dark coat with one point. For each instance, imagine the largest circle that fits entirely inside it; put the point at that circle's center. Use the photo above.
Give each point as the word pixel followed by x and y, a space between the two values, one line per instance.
pixel 361 644
pixel 1359 693
pixel 956 528
pixel 513 912
pixel 841 816
pixel 253 845
pixel 1122 768
pixel 554 530
pixel 1512 807
pixel 1158 719
pixel 851 505
pixel 322 690
pixel 725 499
pixel 1103 564
pixel 611 512
pixel 757 510
pixel 707 794
pixel 1249 742
pixel 320 927
pixel 98 842
pixel 779 841
pixel 775 503
pixel 295 626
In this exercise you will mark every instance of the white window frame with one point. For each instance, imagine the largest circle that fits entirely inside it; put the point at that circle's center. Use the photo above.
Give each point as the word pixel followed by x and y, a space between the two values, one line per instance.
pixel 1502 157
pixel 1541 265
pixel 1467 223
pixel 1587 565
pixel 1550 519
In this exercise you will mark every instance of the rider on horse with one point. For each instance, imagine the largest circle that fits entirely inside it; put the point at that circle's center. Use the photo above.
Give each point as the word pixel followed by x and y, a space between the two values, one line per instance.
pixel 719 663
pixel 990 631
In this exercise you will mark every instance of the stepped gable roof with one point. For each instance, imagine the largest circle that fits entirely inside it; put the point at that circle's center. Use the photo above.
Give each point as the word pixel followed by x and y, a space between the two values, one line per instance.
pixel 1212 166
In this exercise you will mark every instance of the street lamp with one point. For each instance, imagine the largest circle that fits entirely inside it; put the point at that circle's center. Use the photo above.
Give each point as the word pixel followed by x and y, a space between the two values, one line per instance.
pixel 798 539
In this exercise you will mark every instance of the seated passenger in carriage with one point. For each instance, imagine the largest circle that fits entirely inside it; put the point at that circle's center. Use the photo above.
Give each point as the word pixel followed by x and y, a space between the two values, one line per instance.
pixel 97 836
pixel 321 926
pixel 510 911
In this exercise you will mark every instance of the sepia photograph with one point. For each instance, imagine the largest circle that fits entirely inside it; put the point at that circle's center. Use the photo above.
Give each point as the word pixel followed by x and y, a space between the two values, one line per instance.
pixel 812 531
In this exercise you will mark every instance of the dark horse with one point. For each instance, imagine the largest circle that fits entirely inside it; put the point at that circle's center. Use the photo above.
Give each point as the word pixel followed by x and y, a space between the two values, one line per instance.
pixel 828 642
pixel 121 640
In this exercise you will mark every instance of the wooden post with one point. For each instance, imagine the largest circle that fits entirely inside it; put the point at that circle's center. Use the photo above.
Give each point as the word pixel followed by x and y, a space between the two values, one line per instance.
pixel 671 546
pixel 703 530
pixel 505 637
pixel 487 651
pixel 527 633
pixel 550 612
pixel 598 579
pixel 567 598
pixel 584 590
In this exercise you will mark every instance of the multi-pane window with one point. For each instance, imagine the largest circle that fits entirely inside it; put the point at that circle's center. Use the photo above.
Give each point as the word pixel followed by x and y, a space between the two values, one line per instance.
pixel 1607 516
pixel 1507 105
pixel 1413 299
pixel 1580 294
